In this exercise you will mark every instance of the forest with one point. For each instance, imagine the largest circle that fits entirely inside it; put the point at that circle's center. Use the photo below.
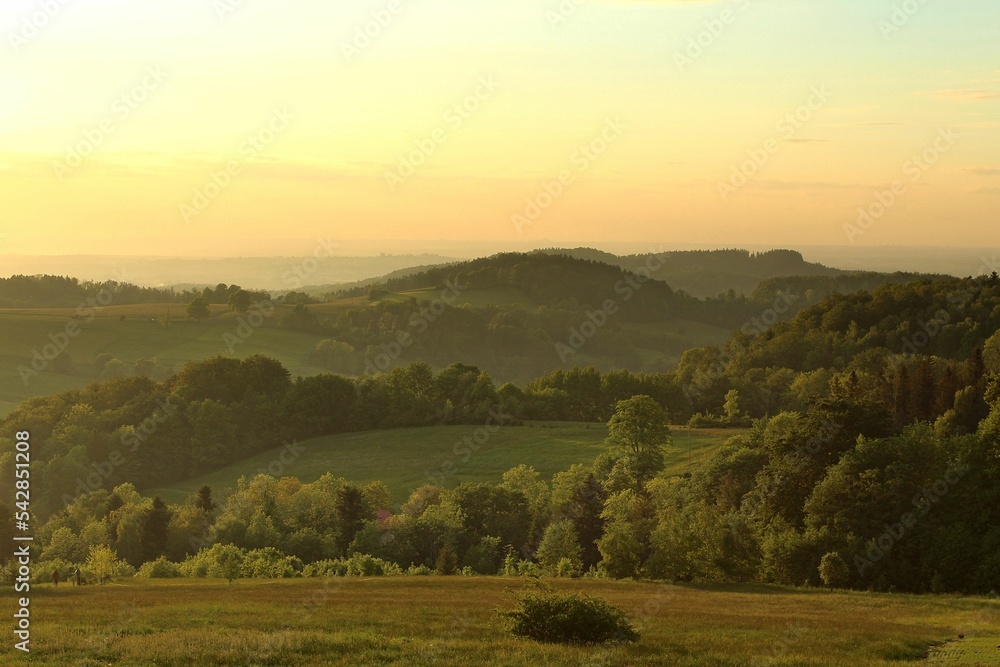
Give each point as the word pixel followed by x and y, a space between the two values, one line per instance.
pixel 870 414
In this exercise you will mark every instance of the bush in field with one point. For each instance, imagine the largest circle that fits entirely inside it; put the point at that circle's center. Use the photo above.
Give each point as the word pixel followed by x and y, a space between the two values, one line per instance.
pixel 269 563
pixel 363 565
pixel 515 567
pixel 103 565
pixel 325 568
pixel 419 571
pixel 833 570
pixel 161 568
pixel 223 561
pixel 357 565
pixel 546 616
pixel 568 568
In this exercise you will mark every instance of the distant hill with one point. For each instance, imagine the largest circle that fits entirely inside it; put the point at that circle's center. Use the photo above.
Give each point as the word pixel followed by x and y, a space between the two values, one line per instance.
pixel 709 273
pixel 698 273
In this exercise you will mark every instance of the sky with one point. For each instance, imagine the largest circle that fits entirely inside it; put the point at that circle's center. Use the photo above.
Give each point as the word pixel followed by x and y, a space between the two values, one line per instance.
pixel 256 127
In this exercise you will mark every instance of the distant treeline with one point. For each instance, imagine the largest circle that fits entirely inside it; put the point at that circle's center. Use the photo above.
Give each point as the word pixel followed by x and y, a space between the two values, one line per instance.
pixel 65 292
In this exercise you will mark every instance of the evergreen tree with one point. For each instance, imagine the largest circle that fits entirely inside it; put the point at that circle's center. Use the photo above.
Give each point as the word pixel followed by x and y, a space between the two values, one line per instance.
pixel 154 530
pixel 352 512
pixel 204 501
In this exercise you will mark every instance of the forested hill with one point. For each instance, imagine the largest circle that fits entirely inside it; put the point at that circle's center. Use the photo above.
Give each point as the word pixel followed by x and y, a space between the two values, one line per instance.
pixel 697 273
pixel 709 273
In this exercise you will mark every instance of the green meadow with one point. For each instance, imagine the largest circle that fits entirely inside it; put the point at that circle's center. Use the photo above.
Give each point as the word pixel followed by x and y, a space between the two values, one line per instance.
pixel 407 458
pixel 449 621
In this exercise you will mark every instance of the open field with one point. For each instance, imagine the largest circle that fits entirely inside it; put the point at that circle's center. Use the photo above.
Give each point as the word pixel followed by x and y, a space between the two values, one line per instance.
pixel 406 458
pixel 448 621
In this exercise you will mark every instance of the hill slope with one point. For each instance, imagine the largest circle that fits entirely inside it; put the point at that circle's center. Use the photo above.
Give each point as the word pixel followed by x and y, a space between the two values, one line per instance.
pixel 409 457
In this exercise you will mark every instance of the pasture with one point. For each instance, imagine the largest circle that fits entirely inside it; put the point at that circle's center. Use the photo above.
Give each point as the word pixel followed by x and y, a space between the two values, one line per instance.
pixel 448 621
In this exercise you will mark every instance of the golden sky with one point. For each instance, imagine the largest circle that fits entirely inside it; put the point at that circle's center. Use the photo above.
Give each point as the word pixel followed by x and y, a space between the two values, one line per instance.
pixel 234 127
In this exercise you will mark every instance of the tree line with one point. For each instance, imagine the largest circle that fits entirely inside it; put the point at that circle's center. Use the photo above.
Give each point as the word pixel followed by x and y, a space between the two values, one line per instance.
pixel 834 496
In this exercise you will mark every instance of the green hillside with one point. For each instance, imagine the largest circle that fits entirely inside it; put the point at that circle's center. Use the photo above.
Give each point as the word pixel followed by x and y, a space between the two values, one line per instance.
pixel 136 337
pixel 406 458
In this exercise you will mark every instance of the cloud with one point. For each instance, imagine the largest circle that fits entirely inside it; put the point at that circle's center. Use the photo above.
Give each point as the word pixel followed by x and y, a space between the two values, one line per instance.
pixel 809 185
pixel 980 125
pixel 963 94
pixel 983 171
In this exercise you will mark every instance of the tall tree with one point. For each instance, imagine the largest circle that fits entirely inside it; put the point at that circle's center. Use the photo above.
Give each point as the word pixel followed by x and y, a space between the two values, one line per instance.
pixel 198 309
pixel 352 511
pixel 203 499
pixel 640 430
pixel 154 530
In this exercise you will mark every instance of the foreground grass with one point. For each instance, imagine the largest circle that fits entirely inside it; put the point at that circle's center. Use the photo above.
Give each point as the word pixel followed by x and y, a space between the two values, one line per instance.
pixel 406 458
pixel 449 622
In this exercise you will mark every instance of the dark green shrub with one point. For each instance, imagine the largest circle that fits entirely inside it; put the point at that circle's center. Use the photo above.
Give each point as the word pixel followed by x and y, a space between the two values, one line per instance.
pixel 547 616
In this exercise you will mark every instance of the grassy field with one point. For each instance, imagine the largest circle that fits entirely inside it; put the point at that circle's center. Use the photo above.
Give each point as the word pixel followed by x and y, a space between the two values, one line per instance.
pixel 406 458
pixel 448 621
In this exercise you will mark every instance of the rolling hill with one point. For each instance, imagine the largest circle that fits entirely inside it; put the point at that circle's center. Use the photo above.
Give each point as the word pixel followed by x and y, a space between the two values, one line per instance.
pixel 409 457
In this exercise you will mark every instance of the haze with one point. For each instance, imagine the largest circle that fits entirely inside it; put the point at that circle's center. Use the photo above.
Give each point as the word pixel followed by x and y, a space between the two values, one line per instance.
pixel 881 97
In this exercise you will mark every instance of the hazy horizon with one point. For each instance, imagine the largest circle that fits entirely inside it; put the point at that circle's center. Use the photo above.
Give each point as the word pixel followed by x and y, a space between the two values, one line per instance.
pixel 348 263
pixel 240 128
